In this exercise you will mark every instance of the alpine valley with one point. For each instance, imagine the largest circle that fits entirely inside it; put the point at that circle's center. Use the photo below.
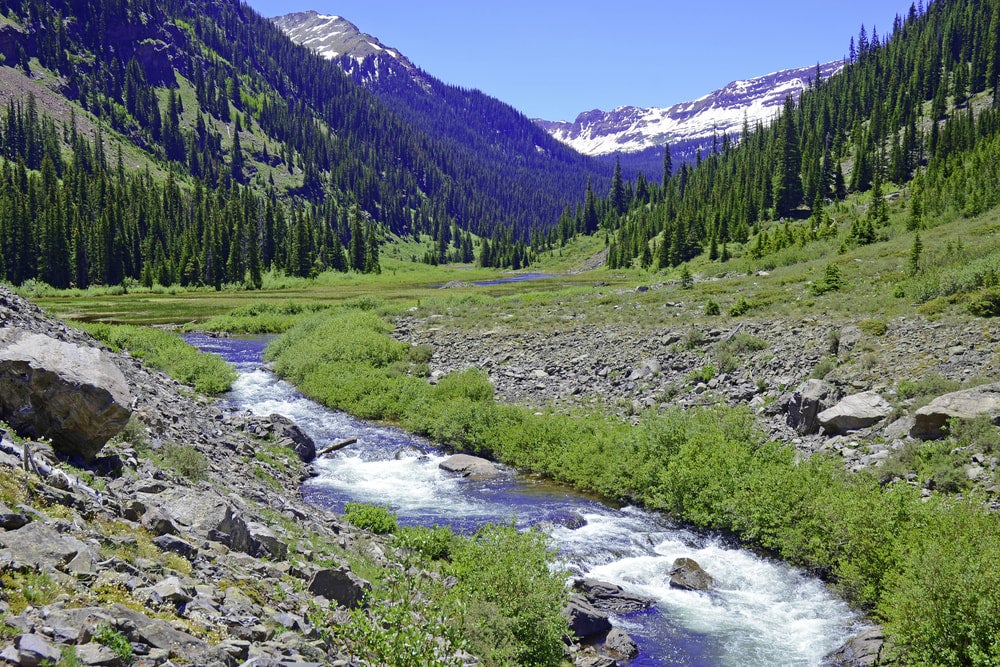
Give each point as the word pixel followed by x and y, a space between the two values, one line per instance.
pixel 309 358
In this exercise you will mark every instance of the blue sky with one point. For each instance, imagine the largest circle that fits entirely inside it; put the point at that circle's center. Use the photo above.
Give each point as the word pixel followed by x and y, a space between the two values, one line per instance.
pixel 555 59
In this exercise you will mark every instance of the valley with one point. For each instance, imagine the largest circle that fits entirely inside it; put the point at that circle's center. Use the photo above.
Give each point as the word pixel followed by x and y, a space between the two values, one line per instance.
pixel 308 357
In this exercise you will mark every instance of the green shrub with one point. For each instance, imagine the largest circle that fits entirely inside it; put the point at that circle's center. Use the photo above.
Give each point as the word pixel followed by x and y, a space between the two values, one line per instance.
pixel 712 308
pixel 874 327
pixel 979 432
pixel 985 303
pixel 420 354
pixel 703 374
pixel 823 368
pixel 514 597
pixel 741 307
pixel 931 385
pixel 186 460
pixel 168 352
pixel 433 543
pixel 114 640
pixel 375 518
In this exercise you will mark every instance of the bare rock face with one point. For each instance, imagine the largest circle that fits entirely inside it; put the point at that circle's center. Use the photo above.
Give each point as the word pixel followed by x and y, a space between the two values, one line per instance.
pixel 931 421
pixel 470 466
pixel 51 389
pixel 688 575
pixel 809 399
pixel 855 412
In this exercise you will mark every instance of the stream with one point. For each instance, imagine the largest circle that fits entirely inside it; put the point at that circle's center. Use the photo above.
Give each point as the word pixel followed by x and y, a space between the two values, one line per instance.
pixel 761 613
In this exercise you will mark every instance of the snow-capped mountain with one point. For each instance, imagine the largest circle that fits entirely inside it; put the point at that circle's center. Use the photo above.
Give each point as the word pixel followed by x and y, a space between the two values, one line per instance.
pixel 359 54
pixel 631 129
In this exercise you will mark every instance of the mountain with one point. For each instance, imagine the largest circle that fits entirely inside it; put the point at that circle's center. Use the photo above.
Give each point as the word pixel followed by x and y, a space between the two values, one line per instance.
pixel 490 137
pixel 689 125
pixel 336 38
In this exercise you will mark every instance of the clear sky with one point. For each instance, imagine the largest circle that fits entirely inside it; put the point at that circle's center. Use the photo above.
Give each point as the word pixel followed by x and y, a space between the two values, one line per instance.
pixel 553 59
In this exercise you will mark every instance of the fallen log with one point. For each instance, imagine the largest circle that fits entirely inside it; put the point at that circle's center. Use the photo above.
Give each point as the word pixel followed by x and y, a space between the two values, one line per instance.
pixel 337 446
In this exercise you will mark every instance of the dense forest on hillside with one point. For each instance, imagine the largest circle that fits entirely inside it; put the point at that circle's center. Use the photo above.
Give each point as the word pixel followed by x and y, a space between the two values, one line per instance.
pixel 918 108
pixel 249 127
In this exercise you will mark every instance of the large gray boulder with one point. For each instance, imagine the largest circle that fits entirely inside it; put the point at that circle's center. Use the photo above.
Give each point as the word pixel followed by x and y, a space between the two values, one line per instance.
pixel 855 412
pixel 339 585
pixel 610 597
pixel 688 575
pixel 287 431
pixel 72 394
pixel 584 620
pixel 472 467
pixel 931 421
pixel 807 401
pixel 618 642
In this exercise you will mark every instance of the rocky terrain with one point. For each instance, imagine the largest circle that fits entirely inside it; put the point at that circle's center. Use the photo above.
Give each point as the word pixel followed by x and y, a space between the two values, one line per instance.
pixel 165 548
pixel 853 405
pixel 183 540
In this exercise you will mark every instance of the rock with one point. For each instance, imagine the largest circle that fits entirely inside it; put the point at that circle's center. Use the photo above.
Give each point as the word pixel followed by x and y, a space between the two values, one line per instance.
pixel 161 635
pixel 931 421
pixel 618 642
pixel 339 585
pixel 39 546
pixel 34 649
pixel 566 519
pixel 855 412
pixel 72 394
pixel 806 402
pixel 611 598
pixel 264 542
pixel 591 659
pixel 862 650
pixel 472 467
pixel 13 521
pixel 172 590
pixel 688 575
pixel 175 545
pixel 96 654
pixel 285 428
pixel 584 620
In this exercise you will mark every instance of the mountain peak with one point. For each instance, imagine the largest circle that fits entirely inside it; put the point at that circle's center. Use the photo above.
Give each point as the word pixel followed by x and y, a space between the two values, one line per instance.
pixel 334 37
pixel 631 129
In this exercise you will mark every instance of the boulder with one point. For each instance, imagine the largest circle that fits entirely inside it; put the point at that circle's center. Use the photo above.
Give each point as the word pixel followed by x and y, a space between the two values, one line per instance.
pixel 175 545
pixel 286 429
pixel 72 394
pixel 806 402
pixel 584 620
pixel 339 585
pixel 592 659
pixel 855 412
pixel 931 421
pixel 472 467
pixel 618 642
pixel 862 650
pixel 38 546
pixel 33 650
pixel 688 575
pixel 611 598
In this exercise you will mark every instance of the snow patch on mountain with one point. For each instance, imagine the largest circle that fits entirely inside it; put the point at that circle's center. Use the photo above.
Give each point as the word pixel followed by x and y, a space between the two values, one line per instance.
pixel 630 129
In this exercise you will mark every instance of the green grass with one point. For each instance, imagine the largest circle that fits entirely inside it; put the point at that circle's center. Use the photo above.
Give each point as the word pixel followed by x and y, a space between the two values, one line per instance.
pixel 166 351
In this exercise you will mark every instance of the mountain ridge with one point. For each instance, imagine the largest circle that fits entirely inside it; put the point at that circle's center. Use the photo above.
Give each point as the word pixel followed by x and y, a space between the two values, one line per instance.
pixel 631 129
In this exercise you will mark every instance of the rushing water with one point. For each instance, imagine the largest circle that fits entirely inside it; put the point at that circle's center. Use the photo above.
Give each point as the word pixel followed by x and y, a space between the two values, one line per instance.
pixel 761 612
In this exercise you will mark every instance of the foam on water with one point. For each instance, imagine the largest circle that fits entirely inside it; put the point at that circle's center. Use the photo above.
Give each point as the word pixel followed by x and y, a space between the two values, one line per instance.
pixel 760 613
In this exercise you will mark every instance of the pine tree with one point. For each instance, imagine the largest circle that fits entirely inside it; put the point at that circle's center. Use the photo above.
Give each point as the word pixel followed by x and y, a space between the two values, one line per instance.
pixel 668 165
pixel 787 183
pixel 915 252
pixel 358 250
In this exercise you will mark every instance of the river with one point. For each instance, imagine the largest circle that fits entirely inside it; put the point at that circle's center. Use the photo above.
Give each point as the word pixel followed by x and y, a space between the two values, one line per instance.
pixel 761 612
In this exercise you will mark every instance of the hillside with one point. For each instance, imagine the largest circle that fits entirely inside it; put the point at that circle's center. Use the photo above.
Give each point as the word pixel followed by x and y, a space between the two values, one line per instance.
pixel 491 137
pixel 280 161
